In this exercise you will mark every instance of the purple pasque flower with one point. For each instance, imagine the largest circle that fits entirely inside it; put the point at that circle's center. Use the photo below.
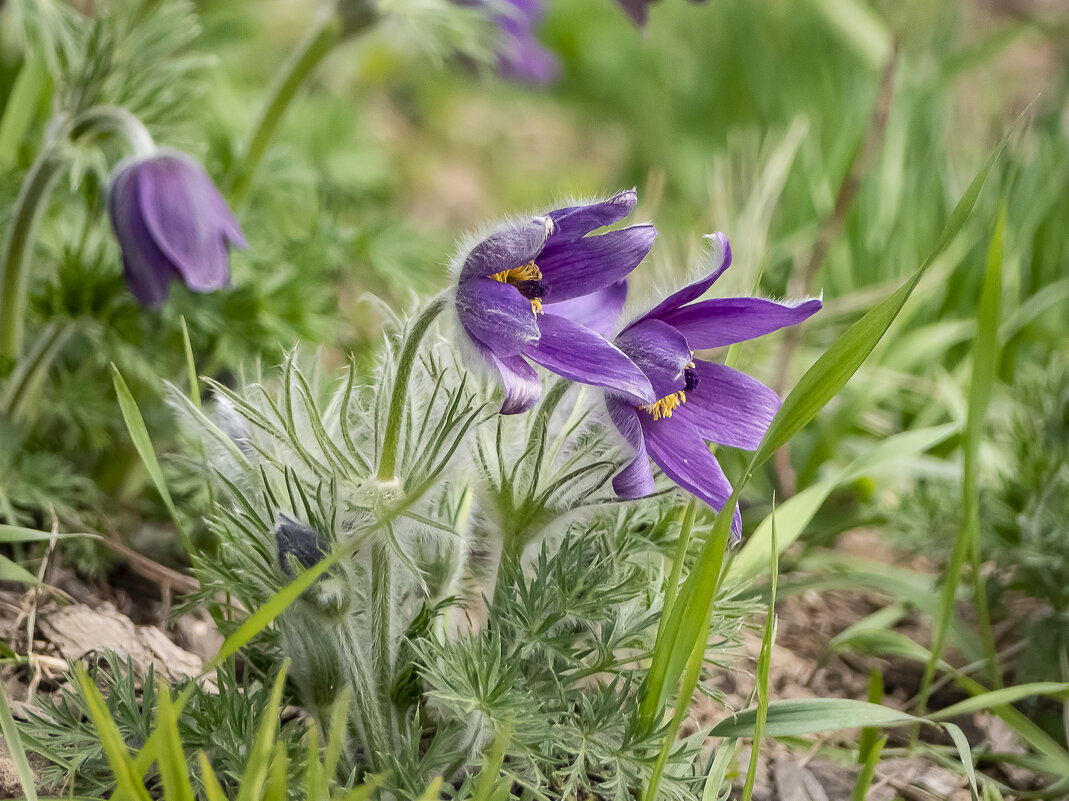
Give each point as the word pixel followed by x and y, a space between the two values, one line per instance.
pixel 520 55
pixel 697 401
pixel 512 284
pixel 171 223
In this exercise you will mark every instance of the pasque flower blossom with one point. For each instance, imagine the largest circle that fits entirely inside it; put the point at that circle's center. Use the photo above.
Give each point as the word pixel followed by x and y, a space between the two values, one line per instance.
pixel 512 284
pixel 638 10
pixel 520 56
pixel 697 401
pixel 172 224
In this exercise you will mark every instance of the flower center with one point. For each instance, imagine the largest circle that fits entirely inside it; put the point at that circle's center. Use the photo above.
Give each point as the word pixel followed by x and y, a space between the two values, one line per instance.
pixel 669 403
pixel 528 280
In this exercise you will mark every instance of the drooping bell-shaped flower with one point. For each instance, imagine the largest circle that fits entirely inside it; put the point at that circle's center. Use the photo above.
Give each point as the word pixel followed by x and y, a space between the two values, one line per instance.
pixel 512 284
pixel 520 56
pixel 697 401
pixel 172 224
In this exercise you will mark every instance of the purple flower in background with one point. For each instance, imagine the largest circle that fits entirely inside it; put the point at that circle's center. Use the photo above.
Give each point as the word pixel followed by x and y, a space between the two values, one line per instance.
pixel 698 401
pixel 638 10
pixel 171 223
pixel 506 278
pixel 520 56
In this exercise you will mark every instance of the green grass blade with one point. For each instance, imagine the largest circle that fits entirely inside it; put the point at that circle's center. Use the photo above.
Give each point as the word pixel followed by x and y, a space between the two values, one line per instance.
pixel 212 789
pixel 191 365
pixel 984 365
pixel 15 749
pixel 174 770
pixel 135 424
pixel 1006 695
pixel 965 754
pixel 258 766
pixel 12 571
pixel 122 766
pixel 803 716
pixel 26 97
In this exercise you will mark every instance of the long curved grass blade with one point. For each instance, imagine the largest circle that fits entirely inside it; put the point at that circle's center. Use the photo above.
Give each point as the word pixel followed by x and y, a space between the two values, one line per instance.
pixel 15 749
pixel 135 424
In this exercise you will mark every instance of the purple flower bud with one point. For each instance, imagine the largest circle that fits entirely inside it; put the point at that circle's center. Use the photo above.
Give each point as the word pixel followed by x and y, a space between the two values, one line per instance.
pixel 638 10
pixel 171 223
pixel 299 542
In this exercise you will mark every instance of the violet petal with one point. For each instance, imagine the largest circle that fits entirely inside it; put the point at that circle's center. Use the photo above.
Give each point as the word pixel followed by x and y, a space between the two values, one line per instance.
pixel 725 321
pixel 719 259
pixel 147 269
pixel 660 351
pixel 520 381
pixel 508 248
pixel 581 266
pixel 496 315
pixel 179 203
pixel 678 449
pixel 636 479
pixel 577 353
pixel 575 222
pixel 728 406
pixel 598 311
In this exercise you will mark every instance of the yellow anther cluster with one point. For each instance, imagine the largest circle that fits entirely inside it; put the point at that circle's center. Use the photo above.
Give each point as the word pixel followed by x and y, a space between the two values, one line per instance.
pixel 666 405
pixel 526 272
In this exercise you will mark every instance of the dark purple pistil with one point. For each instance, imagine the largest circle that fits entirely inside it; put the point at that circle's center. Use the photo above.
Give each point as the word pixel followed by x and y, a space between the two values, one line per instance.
pixel 690 376
pixel 532 289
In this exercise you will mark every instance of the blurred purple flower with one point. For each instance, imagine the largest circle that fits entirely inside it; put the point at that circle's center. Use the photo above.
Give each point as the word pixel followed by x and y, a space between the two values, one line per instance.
pixel 638 10
pixel 505 279
pixel 520 56
pixel 698 401
pixel 171 223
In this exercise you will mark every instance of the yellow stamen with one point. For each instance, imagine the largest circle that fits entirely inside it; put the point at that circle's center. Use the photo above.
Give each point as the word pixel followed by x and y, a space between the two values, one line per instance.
pixel 526 272
pixel 666 405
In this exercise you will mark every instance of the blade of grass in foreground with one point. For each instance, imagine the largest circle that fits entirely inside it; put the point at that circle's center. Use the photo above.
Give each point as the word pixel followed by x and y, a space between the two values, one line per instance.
pixel 764 668
pixel 967 546
pixel 135 424
pixel 17 752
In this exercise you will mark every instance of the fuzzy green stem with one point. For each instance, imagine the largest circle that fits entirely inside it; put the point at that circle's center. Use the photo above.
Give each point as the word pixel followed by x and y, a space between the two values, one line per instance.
pixel 368 719
pixel 33 200
pixel 399 397
pixel 317 43
pixel 30 373
pixel 14 262
pixel 383 632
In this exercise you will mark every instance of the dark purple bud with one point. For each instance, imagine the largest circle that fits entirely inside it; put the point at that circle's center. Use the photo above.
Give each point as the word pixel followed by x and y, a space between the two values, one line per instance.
pixel 297 541
pixel 690 376
pixel 172 224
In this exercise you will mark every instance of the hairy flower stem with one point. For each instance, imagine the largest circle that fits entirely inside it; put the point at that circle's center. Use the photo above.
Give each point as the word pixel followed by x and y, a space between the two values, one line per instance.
pixel 368 719
pixel 33 200
pixel 383 632
pixel 329 29
pixel 14 264
pixel 399 397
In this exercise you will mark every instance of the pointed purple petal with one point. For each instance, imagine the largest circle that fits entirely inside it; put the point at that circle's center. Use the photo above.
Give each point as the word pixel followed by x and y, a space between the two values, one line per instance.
pixel 582 266
pixel 719 259
pixel 636 479
pixel 147 269
pixel 678 449
pixel 519 379
pixel 577 353
pixel 575 222
pixel 180 207
pixel 729 407
pixel 660 352
pixel 725 321
pixel 598 311
pixel 510 247
pixel 496 315
pixel 637 10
